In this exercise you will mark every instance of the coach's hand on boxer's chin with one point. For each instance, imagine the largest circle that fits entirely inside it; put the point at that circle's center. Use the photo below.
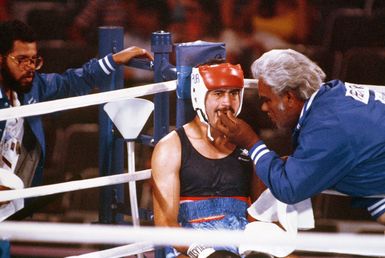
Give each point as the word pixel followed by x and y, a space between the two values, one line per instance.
pixel 1 189
pixel 236 130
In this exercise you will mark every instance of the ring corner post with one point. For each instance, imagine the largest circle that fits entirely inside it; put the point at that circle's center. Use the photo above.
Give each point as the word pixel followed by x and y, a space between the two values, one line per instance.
pixel 111 148
pixel 188 55
pixel 161 46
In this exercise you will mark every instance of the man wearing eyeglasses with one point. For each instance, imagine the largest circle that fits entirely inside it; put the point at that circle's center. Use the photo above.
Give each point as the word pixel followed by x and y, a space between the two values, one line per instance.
pixel 22 143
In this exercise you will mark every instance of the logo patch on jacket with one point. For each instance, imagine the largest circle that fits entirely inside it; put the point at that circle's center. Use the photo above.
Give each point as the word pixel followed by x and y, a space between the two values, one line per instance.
pixel 244 155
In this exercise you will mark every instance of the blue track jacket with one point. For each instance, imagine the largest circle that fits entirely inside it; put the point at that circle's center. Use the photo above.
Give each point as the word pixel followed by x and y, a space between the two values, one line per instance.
pixel 339 144
pixel 73 82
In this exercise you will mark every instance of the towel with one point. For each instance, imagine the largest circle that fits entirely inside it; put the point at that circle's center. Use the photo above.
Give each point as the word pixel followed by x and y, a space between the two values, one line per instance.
pixel 268 209
pixel 12 181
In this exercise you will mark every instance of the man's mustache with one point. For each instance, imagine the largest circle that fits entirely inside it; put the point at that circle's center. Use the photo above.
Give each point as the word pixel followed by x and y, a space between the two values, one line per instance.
pixel 225 110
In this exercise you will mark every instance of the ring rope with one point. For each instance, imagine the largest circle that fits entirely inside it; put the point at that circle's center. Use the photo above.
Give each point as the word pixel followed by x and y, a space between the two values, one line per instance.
pixel 8 195
pixel 347 243
pixel 47 107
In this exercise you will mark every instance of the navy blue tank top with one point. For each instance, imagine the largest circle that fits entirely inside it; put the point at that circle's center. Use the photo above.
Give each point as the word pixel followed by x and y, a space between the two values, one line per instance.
pixel 201 176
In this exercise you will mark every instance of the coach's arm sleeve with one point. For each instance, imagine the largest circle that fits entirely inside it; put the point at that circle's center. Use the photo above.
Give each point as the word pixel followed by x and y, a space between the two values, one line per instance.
pixel 321 158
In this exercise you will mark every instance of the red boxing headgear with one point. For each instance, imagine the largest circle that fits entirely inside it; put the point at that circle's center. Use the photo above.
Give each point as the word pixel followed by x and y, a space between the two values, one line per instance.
pixel 211 77
pixel 222 76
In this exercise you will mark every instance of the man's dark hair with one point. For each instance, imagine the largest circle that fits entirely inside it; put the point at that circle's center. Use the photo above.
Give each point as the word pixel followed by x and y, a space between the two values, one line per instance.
pixel 13 30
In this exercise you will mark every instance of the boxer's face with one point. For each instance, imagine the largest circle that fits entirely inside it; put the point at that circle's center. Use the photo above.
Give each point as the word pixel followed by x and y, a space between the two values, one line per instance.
pixel 18 67
pixel 283 110
pixel 226 100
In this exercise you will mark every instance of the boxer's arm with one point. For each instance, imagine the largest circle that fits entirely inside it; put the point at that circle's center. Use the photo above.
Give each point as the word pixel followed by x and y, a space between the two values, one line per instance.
pixel 165 165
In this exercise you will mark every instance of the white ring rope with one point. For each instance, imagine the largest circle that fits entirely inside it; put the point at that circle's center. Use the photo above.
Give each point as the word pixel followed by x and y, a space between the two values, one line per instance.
pixel 47 107
pixel 347 243
pixel 104 97
pixel 8 195
pixel 251 83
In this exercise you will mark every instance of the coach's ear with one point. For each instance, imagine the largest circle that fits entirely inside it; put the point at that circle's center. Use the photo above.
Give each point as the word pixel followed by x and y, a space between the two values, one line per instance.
pixel 291 97
pixel 293 102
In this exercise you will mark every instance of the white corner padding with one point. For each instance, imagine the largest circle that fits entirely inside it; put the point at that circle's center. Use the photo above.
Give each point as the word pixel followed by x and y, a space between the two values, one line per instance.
pixel 267 209
pixel 129 115
pixel 10 180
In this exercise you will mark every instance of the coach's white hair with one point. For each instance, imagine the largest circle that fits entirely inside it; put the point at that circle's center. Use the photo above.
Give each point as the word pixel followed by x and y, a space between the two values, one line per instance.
pixel 286 69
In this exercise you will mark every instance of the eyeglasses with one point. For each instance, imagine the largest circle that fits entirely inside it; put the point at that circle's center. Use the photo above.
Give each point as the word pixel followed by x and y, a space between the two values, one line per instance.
pixel 24 62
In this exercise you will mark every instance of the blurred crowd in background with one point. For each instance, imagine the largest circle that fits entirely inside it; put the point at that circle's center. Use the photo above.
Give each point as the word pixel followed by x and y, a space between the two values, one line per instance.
pixel 248 27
